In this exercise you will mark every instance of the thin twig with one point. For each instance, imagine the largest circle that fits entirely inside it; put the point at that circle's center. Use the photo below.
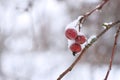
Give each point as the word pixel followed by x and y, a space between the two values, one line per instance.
pixel 99 7
pixel 113 53
pixel 86 47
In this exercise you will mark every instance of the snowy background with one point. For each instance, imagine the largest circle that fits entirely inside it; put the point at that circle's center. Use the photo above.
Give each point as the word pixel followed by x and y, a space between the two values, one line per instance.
pixel 33 45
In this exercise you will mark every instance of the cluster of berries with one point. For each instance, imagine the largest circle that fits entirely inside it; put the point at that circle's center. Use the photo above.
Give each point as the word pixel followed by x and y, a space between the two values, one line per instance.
pixel 77 39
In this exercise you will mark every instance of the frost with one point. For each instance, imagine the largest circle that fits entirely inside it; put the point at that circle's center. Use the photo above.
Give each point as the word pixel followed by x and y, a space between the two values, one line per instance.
pixel 83 45
pixel 79 17
pixel 80 33
pixel 105 25
pixel 74 24
pixel 81 25
pixel 108 23
pixel 91 38
pixel 98 9
pixel 70 42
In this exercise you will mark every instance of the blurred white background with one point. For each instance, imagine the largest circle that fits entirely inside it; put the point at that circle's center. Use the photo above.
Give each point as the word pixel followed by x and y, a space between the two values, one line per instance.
pixel 33 45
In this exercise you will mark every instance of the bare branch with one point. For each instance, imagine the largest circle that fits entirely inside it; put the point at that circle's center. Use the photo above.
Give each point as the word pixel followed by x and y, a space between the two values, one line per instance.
pixel 99 7
pixel 113 53
pixel 86 47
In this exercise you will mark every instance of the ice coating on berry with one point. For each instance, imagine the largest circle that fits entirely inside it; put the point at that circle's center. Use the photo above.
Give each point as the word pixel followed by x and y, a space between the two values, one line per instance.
pixel 71 33
pixel 80 39
pixel 75 48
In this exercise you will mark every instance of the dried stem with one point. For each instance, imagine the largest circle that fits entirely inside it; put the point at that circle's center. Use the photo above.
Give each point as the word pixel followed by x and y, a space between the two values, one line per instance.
pixel 108 26
pixel 113 53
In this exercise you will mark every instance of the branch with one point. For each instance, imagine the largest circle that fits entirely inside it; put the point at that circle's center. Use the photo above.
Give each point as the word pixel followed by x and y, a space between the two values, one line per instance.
pixel 99 7
pixel 108 26
pixel 113 53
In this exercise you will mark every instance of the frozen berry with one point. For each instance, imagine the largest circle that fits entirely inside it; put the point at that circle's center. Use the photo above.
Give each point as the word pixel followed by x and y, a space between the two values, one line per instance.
pixel 80 39
pixel 75 48
pixel 71 33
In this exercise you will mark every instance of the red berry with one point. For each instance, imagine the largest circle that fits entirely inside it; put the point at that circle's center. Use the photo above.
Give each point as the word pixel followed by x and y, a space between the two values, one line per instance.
pixel 80 39
pixel 75 47
pixel 71 33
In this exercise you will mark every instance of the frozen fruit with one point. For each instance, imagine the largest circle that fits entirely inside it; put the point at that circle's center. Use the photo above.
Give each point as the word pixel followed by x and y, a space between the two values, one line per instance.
pixel 75 47
pixel 80 39
pixel 71 33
